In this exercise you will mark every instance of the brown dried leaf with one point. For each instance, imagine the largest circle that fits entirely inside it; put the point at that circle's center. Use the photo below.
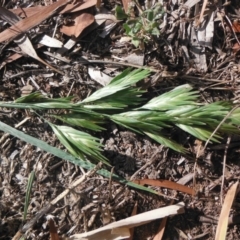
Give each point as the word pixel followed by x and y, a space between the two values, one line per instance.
pixel 53 230
pixel 78 5
pixel 126 5
pixel 118 230
pixel 9 59
pixel 166 184
pixel 32 21
pixel 236 26
pixel 23 41
pixel 161 229
pixel 236 47
pixel 134 212
pixel 14 57
pixel 223 219
pixel 80 23
pixel 26 12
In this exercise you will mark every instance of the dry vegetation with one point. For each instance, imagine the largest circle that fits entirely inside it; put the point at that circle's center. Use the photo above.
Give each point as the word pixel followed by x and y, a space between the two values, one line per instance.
pixel 75 48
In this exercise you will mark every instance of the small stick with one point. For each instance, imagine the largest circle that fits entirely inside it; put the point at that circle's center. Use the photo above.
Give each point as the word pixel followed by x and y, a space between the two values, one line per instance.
pixel 224 167
pixel 153 158
pixel 219 125
pixel 202 12
pixel 50 206
pixel 118 63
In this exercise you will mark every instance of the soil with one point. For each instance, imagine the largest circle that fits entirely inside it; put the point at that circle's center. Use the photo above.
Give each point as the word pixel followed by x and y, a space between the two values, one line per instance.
pixel 98 201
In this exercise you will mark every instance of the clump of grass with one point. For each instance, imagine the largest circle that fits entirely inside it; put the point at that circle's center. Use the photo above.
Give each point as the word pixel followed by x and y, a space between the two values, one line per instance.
pixel 122 102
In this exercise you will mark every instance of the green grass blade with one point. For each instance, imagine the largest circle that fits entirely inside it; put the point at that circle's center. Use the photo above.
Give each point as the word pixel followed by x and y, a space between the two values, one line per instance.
pixel 79 143
pixel 167 142
pixel 82 120
pixel 38 97
pixel 130 97
pixel 179 96
pixel 73 150
pixel 200 133
pixel 40 106
pixel 63 155
pixel 119 83
pixel 28 193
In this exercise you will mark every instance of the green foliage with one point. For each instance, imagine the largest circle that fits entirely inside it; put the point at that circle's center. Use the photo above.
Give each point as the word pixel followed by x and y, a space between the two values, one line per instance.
pixel 110 95
pixel 120 13
pixel 78 143
pixel 141 28
pixel 83 120
pixel 63 155
pixel 178 108
pixel 28 193
pixel 181 96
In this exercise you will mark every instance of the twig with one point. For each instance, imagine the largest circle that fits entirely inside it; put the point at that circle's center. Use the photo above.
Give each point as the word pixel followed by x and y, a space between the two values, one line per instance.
pixel 228 20
pixel 201 79
pixel 224 168
pixel 30 72
pixel 153 159
pixel 50 206
pixel 76 183
pixel 202 12
pixel 117 63
pixel 219 125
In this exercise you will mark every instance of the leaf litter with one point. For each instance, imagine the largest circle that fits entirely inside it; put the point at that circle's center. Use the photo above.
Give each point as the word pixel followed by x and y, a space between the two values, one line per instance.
pixel 193 42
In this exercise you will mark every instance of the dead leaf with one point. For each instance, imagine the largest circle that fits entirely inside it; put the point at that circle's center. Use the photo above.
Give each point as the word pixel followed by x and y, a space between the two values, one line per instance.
pixel 190 3
pixel 223 219
pixel 126 4
pixel 50 42
pixel 81 21
pixel 236 47
pixel 135 58
pixel 166 184
pixel 14 57
pixel 162 226
pixel 9 59
pixel 109 21
pixel 23 41
pixel 161 229
pixel 26 12
pixel 108 232
pixel 53 230
pixel 202 12
pixel 134 212
pixel 26 90
pixel 78 6
pixel 98 4
pixel 24 25
pixel 236 26
pixel 182 235
pixel 186 178
pixel 99 76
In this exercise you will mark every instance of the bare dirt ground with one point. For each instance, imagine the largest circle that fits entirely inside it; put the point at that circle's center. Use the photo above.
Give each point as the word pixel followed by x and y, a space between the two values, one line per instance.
pixel 211 66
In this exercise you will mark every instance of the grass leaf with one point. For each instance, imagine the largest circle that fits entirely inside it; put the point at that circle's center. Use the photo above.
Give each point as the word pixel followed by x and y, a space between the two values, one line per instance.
pixel 119 83
pixel 87 121
pixel 167 142
pixel 28 193
pixel 179 96
pixel 79 143
pixel 63 155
